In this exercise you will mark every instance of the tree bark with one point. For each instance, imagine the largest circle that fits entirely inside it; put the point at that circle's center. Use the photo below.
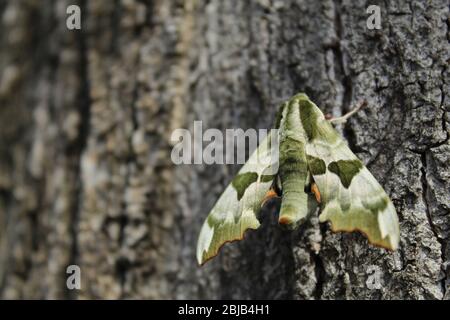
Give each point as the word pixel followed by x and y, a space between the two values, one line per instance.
pixel 86 119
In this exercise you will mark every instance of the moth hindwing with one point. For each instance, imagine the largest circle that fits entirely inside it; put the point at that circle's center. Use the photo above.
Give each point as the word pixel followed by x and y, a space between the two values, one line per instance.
pixel 313 158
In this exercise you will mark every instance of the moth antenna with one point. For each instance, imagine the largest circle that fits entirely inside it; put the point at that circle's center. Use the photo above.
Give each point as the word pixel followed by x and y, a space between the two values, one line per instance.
pixel 343 119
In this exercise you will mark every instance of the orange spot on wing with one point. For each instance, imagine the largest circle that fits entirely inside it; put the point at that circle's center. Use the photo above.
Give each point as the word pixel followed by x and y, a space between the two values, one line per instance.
pixel 269 195
pixel 316 192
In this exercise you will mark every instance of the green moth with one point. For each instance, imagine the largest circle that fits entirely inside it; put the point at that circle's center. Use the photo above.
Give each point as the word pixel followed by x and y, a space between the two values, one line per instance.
pixel 314 168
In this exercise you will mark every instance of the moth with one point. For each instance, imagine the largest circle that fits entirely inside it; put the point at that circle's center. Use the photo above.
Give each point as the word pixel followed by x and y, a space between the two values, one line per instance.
pixel 315 168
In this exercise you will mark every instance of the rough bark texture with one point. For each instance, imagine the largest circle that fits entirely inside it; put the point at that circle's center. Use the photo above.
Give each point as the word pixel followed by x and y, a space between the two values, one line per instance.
pixel 86 119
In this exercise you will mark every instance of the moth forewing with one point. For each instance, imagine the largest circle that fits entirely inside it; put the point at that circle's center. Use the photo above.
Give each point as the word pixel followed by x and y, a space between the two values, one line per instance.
pixel 237 209
pixel 352 199
pixel 363 207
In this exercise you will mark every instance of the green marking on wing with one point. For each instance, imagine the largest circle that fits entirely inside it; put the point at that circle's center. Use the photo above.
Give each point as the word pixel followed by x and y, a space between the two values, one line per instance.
pixel 378 205
pixel 308 117
pixel 316 166
pixel 267 178
pixel 314 123
pixel 345 170
pixel 242 181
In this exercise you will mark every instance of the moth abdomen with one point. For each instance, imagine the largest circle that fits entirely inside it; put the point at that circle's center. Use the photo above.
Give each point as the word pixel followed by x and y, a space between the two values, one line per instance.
pixel 293 175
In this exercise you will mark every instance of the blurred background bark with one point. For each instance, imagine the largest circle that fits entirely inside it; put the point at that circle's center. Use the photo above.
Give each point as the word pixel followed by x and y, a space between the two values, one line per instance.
pixel 86 118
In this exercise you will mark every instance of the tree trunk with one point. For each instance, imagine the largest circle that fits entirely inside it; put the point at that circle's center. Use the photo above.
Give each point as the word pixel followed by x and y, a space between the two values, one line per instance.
pixel 86 119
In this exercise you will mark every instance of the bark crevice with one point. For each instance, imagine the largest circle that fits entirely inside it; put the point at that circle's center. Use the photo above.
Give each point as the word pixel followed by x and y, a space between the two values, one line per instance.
pixel 425 190
pixel 78 146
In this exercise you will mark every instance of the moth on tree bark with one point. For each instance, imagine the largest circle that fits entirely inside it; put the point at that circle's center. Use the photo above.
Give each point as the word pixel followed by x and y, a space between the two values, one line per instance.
pixel 314 167
pixel 86 177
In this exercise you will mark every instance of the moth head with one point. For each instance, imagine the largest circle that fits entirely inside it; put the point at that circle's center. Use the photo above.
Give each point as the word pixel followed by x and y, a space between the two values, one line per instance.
pixel 301 96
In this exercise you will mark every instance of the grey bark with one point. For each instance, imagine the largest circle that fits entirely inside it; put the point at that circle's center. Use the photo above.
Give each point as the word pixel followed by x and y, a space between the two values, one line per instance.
pixel 85 124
